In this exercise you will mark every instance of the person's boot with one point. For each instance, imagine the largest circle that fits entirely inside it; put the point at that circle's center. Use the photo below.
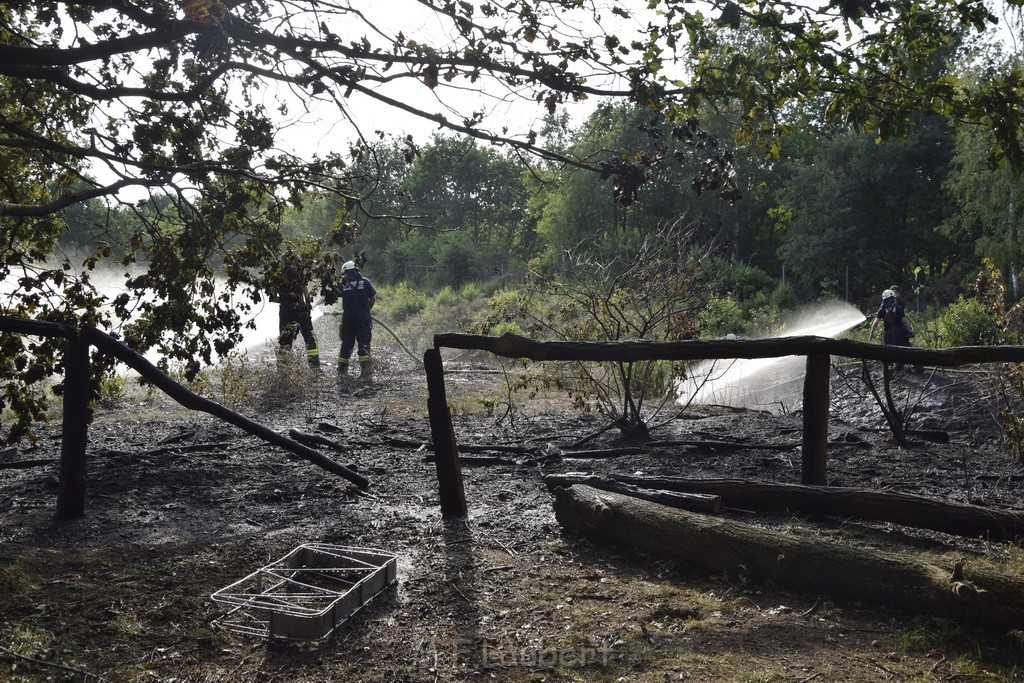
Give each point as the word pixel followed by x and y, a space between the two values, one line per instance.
pixel 365 369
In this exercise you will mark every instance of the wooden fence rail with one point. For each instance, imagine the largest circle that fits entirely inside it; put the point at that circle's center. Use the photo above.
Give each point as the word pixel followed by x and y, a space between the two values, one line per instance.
pixel 818 351
pixel 72 479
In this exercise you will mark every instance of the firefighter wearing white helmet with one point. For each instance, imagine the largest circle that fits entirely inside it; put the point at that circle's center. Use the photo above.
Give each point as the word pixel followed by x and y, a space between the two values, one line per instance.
pixel 896 326
pixel 357 299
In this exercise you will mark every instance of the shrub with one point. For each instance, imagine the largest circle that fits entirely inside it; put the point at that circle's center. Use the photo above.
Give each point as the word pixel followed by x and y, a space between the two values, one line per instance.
pixel 646 293
pixel 471 291
pixel 111 391
pixel 402 301
pixel 967 322
pixel 447 297
pixel 722 316
pixel 454 257
pixel 784 297
pixel 742 281
pixel 507 327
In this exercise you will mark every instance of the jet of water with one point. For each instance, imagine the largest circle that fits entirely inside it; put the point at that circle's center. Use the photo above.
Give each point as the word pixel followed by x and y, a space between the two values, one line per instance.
pixel 774 383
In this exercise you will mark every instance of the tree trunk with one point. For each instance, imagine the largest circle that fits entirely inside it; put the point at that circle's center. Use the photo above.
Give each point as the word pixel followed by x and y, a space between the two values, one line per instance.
pixel 694 502
pixel 960 519
pixel 896 580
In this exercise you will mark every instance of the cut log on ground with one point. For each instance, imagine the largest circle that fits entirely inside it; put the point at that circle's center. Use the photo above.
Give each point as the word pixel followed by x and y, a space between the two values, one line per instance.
pixel 315 440
pixel 26 464
pixel 933 435
pixel 604 453
pixel 479 460
pixel 960 519
pixel 967 594
pixel 694 502
pixel 723 445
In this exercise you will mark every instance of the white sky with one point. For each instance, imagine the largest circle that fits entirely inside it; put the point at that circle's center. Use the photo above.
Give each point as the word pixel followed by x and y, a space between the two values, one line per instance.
pixel 323 129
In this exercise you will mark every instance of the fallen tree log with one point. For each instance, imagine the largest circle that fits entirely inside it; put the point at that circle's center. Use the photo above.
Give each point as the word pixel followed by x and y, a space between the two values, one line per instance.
pixel 933 435
pixel 25 464
pixel 694 502
pixel 313 440
pixel 599 453
pixel 478 460
pixel 959 519
pixel 967 594
pixel 723 445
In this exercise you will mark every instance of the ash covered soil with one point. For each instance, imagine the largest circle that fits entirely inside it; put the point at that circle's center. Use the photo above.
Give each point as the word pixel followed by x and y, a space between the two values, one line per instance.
pixel 181 505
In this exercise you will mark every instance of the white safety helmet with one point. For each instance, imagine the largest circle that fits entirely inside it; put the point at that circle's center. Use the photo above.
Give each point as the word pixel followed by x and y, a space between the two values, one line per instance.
pixel 347 266
pixel 888 294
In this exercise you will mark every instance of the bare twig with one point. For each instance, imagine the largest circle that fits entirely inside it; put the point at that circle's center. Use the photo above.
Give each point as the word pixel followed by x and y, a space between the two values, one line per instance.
pixel 87 675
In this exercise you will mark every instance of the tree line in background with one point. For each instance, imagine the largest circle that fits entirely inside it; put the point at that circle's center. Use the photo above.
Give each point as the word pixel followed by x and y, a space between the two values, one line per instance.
pixel 834 213
pixel 826 150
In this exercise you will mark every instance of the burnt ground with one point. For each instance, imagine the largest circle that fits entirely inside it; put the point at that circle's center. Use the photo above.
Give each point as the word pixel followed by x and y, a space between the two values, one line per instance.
pixel 181 505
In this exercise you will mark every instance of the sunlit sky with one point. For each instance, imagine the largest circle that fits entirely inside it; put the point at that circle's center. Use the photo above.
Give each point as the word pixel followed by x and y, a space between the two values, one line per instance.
pixel 323 128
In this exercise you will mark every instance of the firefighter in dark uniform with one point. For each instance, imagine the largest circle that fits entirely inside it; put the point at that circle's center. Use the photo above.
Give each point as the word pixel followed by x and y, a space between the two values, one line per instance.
pixel 295 315
pixel 357 299
pixel 896 326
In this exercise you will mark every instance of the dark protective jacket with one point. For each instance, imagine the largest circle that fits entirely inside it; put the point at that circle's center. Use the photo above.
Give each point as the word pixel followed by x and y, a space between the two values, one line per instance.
pixel 893 330
pixel 355 298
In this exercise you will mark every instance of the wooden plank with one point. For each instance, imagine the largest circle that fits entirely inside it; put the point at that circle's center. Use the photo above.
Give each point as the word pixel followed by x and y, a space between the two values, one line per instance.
pixel 515 346
pixel 72 479
pixel 449 469
pixel 815 409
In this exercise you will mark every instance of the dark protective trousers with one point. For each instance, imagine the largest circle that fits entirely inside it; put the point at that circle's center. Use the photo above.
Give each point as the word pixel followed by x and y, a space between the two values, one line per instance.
pixel 896 335
pixel 355 330
pixel 292 322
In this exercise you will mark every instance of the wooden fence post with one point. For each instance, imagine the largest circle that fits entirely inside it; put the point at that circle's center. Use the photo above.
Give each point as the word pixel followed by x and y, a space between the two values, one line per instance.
pixel 446 453
pixel 72 478
pixel 816 398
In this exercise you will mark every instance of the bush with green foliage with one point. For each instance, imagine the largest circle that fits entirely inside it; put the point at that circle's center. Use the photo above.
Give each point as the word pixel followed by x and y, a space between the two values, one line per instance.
pixel 416 316
pixel 454 260
pixel 984 320
pixel 968 322
pixel 722 316
pixel 400 302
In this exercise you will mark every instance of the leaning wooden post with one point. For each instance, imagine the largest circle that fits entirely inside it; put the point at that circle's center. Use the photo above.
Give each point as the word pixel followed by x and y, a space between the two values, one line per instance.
pixel 446 453
pixel 72 478
pixel 816 398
